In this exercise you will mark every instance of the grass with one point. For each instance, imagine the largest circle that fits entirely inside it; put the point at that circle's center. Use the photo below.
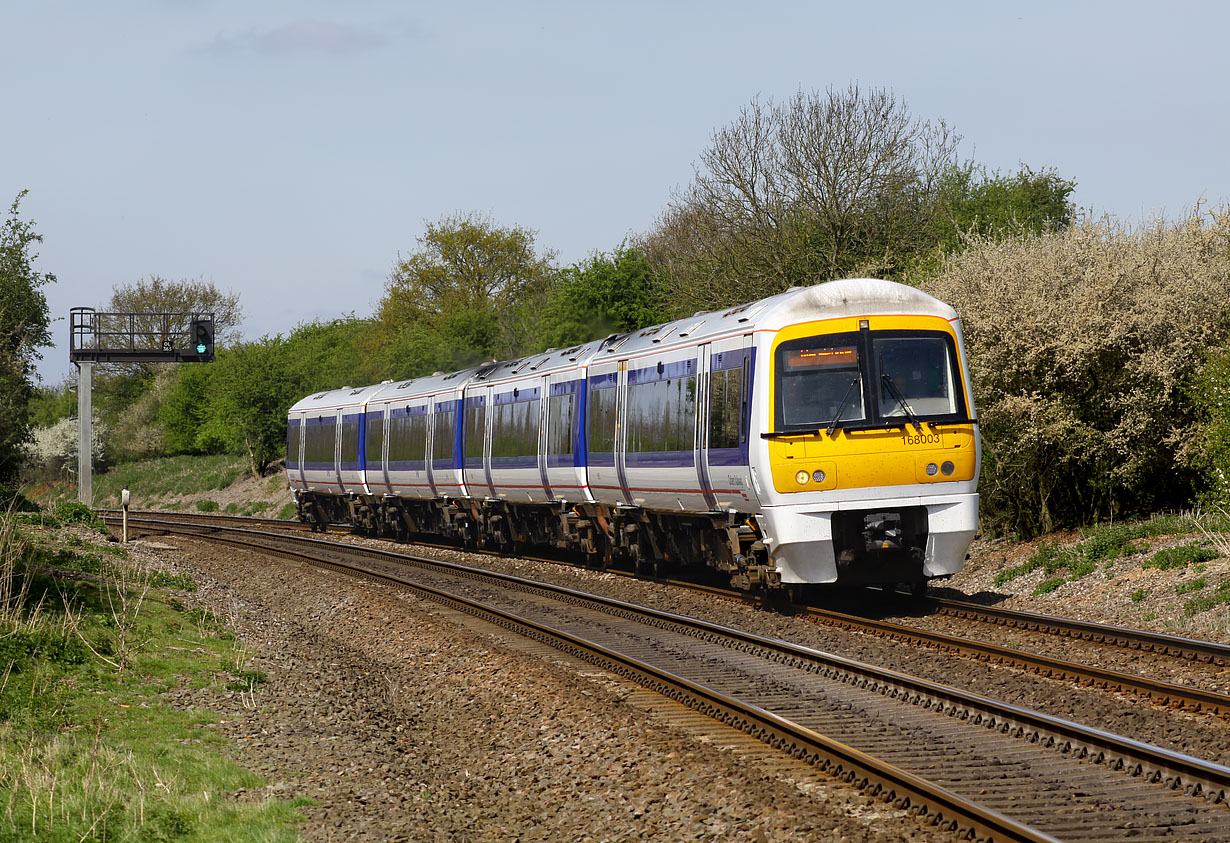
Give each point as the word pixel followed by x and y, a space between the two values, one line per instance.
pixel 1103 545
pixel 1221 596
pixel 1180 557
pixel 87 749
pixel 1188 587
pixel 156 478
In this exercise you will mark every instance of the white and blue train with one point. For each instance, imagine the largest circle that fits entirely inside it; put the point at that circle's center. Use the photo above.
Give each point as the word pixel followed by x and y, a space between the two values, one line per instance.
pixel 823 435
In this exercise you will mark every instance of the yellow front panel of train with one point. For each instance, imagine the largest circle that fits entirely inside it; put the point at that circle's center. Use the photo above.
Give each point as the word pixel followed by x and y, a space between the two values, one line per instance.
pixel 898 378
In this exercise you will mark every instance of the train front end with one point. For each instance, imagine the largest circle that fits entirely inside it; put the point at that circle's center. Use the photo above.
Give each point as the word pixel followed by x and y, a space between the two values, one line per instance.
pixel 868 458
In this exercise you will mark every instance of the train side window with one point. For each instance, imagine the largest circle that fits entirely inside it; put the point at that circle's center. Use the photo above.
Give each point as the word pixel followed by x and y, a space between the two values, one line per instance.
pixel 375 437
pixel 350 442
pixel 602 405
pixel 475 429
pixel 294 432
pixel 318 447
pixel 514 430
pixel 407 437
pixel 442 431
pixel 662 415
pixel 726 408
pixel 559 423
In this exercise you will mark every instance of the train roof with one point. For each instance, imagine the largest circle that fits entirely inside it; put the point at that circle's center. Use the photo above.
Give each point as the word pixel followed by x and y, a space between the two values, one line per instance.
pixel 829 300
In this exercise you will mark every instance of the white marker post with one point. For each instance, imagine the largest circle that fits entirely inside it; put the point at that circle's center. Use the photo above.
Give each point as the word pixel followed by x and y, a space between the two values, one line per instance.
pixel 124 497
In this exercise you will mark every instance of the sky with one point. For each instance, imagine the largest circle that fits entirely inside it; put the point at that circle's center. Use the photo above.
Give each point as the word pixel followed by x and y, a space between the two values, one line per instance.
pixel 291 151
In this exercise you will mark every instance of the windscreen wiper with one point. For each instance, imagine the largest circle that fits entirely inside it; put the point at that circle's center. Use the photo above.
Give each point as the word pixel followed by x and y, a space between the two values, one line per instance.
pixel 841 407
pixel 892 387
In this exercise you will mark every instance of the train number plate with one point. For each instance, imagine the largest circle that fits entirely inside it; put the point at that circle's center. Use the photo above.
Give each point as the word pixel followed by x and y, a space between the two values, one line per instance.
pixel 931 438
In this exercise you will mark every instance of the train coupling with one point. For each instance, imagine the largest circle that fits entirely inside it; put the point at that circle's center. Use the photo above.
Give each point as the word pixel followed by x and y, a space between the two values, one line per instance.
pixel 756 577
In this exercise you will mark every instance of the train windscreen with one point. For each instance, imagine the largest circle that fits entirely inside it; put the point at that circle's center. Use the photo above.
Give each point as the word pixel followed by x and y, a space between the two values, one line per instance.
pixel 867 379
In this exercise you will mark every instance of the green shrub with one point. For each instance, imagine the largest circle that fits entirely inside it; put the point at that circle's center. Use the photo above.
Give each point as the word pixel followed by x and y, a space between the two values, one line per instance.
pixel 1139 594
pixel 207 506
pixel 1189 587
pixel 1012 573
pixel 1179 557
pixel 1076 341
pixel 1203 604
pixel 1047 586
pixel 1209 391
pixel 74 512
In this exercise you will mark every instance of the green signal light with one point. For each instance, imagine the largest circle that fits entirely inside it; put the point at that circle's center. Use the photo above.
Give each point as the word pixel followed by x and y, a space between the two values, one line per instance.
pixel 200 348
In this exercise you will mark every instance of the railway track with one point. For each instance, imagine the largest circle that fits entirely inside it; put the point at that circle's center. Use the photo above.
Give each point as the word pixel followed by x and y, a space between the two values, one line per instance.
pixel 997 771
pixel 1190 697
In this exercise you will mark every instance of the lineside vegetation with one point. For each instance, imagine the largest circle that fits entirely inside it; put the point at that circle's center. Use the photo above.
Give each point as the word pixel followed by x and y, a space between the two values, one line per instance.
pixel 89 639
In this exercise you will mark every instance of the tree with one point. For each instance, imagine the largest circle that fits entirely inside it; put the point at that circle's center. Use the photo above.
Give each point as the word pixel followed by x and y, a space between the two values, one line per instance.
pixel 238 404
pixel 253 390
pixel 157 295
pixel 471 292
pixel 975 202
pixel 126 388
pixel 24 329
pixel 603 295
pixel 823 186
pixel 1082 345
pixel 1209 450
pixel 333 354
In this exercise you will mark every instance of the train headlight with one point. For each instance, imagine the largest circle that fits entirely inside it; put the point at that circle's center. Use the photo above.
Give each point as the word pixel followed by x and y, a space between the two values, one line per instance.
pixel 932 469
pixel 801 478
pixel 948 468
pixel 818 476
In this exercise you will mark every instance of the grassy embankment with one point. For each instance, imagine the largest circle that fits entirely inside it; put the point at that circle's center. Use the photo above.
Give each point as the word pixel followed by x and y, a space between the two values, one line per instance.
pixel 89 640
pixel 184 483
pixel 1204 537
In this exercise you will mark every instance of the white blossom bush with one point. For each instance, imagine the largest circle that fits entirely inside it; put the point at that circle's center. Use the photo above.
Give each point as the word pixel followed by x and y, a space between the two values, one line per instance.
pixel 55 447
pixel 1084 345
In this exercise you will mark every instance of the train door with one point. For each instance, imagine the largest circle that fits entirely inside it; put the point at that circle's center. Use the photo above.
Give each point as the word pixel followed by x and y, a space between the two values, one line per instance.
pixel 476 441
pixel 336 478
pixel 375 449
pixel 621 429
pixel 544 408
pixel 725 423
pixel 703 384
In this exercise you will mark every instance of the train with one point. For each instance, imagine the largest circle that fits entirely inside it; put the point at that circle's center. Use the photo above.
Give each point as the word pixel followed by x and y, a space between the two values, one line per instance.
pixel 824 435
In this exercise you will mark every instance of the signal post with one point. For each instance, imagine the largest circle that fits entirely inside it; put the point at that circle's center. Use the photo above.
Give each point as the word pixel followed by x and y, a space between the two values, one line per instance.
pixel 96 337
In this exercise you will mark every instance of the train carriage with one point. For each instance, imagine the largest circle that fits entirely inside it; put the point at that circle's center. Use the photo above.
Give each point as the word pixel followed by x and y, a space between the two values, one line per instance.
pixel 823 435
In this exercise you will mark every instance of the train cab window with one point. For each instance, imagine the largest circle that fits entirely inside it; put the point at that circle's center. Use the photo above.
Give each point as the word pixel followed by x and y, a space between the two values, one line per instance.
pixel 867 379
pixel 819 381
pixel 918 371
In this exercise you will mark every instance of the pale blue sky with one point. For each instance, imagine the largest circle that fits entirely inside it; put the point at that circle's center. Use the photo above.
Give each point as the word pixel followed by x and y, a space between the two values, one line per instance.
pixel 289 150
